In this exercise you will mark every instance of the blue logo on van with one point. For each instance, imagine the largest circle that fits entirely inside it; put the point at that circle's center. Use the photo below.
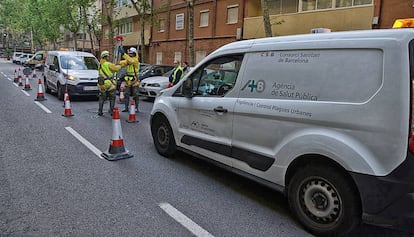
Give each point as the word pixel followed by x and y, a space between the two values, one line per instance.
pixel 259 86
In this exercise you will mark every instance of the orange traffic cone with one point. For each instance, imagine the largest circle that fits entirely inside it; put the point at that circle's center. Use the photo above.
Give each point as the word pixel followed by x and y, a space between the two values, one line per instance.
pixel 34 73
pixel 68 110
pixel 40 94
pixel 116 149
pixel 121 95
pixel 16 76
pixel 132 118
pixel 27 84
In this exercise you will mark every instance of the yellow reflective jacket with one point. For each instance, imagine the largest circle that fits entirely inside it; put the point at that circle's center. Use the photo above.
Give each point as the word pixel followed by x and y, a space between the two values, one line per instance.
pixel 132 69
pixel 106 71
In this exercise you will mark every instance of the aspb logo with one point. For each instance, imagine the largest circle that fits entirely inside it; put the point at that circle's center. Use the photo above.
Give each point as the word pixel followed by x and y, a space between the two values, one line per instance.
pixel 251 85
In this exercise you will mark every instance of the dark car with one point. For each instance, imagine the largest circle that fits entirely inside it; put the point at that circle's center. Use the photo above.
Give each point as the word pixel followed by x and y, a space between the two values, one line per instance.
pixel 154 70
pixel 121 74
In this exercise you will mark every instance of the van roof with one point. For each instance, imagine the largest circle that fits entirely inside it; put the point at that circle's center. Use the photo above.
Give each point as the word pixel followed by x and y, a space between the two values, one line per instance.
pixel 245 45
pixel 74 53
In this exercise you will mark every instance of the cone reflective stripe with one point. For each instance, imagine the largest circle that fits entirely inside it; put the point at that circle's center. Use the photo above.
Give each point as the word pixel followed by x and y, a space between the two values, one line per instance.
pixel 121 95
pixel 132 118
pixel 68 110
pixel 27 83
pixel 116 149
pixel 40 94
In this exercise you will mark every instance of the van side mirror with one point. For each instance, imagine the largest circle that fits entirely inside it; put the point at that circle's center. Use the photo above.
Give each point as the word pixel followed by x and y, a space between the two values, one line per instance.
pixel 187 88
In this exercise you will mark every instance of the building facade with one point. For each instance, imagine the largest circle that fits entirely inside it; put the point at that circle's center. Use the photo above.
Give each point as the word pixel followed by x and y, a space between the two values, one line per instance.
pixel 218 22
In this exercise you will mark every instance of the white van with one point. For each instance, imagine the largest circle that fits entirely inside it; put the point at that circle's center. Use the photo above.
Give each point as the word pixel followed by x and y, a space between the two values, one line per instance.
pixel 324 118
pixel 76 72
pixel 16 55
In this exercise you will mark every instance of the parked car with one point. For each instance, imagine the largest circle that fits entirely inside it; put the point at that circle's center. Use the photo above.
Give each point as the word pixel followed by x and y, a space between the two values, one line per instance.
pixel 16 55
pixel 154 70
pixel 22 58
pixel 72 70
pixel 152 86
pixel 38 58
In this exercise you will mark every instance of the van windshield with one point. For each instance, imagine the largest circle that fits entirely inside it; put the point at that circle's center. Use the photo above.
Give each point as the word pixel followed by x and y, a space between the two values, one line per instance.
pixel 79 63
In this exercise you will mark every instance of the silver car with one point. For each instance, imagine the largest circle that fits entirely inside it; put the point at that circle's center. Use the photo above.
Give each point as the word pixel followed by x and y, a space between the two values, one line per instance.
pixel 151 86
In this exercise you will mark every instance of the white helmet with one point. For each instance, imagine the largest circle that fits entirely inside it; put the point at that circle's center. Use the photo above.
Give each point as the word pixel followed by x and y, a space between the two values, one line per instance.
pixel 132 50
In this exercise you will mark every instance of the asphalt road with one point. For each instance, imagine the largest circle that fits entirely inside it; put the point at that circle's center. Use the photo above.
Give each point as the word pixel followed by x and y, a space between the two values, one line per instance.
pixel 54 184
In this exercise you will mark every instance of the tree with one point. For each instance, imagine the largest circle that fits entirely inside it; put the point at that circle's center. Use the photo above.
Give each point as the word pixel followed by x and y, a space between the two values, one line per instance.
pixel 266 19
pixel 144 9
pixel 191 31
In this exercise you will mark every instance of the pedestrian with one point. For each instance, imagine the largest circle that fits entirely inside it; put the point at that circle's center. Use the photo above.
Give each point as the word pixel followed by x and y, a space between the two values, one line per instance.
pixel 106 82
pixel 131 63
pixel 177 73
pixel 186 67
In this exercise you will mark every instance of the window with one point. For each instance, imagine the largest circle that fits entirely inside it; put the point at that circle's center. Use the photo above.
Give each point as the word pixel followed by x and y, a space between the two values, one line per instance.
pixel 177 56
pixel 159 58
pixel 179 21
pixel 204 18
pixel 125 28
pixel 200 55
pixel 232 14
pixel 121 3
pixel 312 5
pixel 217 77
pixel 161 25
pixel 277 7
pixel 81 36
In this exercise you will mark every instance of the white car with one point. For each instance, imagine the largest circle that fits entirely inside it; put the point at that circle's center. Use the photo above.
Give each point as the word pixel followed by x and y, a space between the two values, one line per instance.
pixel 152 86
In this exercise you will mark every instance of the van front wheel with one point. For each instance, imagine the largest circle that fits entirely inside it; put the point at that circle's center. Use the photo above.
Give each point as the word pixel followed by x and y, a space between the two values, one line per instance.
pixel 324 201
pixel 60 91
pixel 163 136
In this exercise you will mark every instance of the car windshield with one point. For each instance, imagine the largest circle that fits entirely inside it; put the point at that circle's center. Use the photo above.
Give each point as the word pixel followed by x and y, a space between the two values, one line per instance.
pixel 167 74
pixel 79 63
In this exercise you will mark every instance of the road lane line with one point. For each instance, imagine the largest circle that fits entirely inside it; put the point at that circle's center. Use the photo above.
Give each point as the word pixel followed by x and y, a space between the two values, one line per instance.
pixel 43 107
pixel 16 84
pixel 85 142
pixel 184 220
pixel 25 92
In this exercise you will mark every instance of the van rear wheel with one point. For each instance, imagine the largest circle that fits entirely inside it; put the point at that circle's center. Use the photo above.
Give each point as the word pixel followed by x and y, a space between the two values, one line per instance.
pixel 163 136
pixel 324 200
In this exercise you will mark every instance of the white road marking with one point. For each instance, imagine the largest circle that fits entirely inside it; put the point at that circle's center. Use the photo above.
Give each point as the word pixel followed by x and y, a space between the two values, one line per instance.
pixel 85 142
pixel 25 92
pixel 16 84
pixel 43 107
pixel 184 220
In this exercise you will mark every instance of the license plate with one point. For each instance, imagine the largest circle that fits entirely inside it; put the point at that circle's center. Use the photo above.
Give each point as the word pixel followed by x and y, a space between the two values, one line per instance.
pixel 90 88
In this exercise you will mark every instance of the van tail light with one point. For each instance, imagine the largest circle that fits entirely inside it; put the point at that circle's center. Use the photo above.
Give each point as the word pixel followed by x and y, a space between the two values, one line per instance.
pixel 411 123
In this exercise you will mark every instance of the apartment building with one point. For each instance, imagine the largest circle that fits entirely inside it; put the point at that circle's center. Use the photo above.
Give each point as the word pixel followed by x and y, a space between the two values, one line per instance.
pixel 289 17
pixel 216 22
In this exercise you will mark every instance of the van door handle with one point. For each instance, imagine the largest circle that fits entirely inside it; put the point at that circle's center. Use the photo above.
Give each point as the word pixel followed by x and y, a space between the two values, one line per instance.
pixel 220 109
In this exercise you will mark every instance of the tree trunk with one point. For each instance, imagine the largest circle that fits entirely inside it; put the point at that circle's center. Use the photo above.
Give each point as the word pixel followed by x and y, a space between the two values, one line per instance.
pixel 266 19
pixel 191 31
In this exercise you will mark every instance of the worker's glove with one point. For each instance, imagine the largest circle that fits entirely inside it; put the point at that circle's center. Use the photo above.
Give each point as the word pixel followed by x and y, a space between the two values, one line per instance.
pixel 121 50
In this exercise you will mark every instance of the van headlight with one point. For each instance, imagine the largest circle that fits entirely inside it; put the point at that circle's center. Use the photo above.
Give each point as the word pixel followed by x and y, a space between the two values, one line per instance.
pixel 71 78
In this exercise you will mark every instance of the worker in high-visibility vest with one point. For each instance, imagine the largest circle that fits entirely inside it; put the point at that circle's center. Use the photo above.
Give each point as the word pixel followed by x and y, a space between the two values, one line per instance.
pixel 177 74
pixel 106 82
pixel 132 81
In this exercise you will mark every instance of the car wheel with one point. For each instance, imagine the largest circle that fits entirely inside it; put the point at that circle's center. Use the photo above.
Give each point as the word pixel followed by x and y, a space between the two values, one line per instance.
pixel 163 136
pixel 60 91
pixel 47 88
pixel 324 200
